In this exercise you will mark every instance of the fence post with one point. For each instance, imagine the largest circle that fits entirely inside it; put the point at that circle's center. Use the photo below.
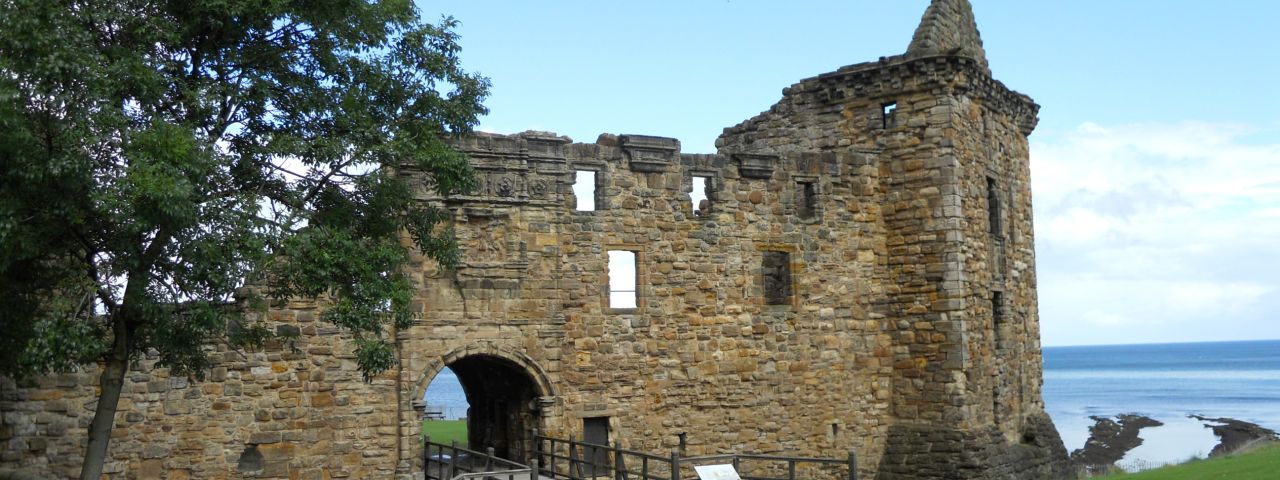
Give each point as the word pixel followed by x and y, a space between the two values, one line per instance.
pixel 619 468
pixel 426 456
pixel 791 469
pixel 537 455
pixel 853 465
pixel 575 465
pixel 675 465
pixel 453 460
pixel 488 459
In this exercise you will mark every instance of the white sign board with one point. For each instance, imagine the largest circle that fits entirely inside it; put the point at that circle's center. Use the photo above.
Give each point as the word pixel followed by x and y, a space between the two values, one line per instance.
pixel 717 472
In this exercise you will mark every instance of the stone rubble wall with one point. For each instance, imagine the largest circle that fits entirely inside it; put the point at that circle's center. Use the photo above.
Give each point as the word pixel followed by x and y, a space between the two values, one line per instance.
pixel 297 410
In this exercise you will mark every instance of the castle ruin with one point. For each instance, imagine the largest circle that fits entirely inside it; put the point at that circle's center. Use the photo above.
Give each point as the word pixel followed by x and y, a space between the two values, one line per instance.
pixel 861 277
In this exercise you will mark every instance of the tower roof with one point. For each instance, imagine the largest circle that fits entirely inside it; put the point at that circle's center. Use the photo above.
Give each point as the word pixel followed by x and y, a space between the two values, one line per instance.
pixel 948 28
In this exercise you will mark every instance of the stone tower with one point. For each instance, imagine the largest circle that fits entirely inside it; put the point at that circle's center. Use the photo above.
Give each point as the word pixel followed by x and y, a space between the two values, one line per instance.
pixel 952 150
pixel 860 277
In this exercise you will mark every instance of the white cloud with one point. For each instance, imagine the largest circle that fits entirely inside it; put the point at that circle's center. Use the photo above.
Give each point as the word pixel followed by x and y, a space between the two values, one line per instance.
pixel 1152 233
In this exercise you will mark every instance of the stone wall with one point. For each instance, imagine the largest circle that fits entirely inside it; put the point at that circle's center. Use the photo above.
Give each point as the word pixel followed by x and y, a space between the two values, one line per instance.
pixel 861 279
pixel 703 355
pixel 291 410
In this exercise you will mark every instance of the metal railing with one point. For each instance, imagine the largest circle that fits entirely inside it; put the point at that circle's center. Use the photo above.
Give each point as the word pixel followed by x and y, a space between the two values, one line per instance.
pixel 451 462
pixel 571 459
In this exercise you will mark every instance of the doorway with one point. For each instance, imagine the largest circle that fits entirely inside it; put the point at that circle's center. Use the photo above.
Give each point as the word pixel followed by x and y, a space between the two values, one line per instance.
pixel 501 406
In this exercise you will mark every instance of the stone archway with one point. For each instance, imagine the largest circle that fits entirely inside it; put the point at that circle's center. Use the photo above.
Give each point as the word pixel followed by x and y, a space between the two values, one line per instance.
pixel 506 391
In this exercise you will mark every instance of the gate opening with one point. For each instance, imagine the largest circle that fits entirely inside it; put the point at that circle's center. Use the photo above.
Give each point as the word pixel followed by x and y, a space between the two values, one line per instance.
pixel 500 410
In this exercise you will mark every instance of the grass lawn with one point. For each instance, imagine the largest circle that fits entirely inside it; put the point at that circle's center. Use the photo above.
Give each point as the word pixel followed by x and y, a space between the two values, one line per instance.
pixel 1260 463
pixel 446 431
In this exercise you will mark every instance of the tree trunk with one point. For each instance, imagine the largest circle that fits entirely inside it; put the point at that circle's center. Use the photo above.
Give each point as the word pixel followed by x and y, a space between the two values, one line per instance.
pixel 104 416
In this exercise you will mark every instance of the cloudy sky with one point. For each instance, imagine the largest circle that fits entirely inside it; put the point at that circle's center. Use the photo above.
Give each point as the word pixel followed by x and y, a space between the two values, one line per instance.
pixel 1156 166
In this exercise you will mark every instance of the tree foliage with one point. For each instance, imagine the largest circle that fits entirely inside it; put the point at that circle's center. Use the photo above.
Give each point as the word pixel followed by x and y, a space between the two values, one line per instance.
pixel 155 154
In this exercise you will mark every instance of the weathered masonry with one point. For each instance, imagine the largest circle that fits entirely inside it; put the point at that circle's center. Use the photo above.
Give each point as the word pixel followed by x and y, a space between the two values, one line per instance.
pixel 860 276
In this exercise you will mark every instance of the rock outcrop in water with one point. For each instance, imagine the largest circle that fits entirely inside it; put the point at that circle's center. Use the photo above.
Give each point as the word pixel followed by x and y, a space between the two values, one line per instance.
pixel 1109 440
pixel 1235 434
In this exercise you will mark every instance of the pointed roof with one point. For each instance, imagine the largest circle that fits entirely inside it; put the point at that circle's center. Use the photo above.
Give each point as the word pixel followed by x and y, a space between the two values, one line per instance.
pixel 948 28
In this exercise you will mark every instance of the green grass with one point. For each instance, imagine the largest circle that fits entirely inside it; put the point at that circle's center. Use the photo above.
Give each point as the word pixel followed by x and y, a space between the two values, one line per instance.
pixel 446 431
pixel 1261 463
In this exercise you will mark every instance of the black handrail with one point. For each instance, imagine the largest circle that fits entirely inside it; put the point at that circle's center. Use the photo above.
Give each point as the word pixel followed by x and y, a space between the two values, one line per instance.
pixel 452 462
pixel 580 462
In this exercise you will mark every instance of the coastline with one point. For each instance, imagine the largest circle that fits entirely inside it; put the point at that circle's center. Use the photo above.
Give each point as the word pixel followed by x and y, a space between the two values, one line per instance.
pixel 1111 439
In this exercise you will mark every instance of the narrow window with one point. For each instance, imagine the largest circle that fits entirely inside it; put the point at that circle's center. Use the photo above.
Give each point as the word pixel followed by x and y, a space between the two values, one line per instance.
pixel 776 272
pixel 807 201
pixel 595 431
pixel 584 189
pixel 622 279
pixel 886 114
pixel 997 309
pixel 993 208
pixel 997 321
pixel 698 196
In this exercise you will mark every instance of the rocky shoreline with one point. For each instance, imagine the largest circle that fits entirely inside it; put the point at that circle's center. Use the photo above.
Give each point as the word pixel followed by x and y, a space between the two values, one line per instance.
pixel 1110 438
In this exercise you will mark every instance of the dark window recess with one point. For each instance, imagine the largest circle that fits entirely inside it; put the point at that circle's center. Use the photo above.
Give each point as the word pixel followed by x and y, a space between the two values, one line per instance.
pixel 886 114
pixel 993 208
pixel 250 460
pixel 997 308
pixel 595 431
pixel 807 206
pixel 776 270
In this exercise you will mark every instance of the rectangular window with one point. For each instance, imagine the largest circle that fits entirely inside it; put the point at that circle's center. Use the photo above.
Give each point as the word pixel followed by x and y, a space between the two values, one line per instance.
pixel 699 197
pixel 595 431
pixel 775 269
pixel 993 208
pixel 886 114
pixel 807 200
pixel 622 279
pixel 584 189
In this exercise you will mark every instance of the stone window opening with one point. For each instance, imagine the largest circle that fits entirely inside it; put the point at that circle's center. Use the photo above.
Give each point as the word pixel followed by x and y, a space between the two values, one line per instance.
pixel 775 270
pixel 700 196
pixel 585 189
pixel 623 274
pixel 997 309
pixel 993 209
pixel 807 200
pixel 886 114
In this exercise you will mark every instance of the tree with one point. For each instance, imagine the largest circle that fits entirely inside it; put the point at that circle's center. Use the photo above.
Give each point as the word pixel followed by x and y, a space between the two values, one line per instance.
pixel 155 154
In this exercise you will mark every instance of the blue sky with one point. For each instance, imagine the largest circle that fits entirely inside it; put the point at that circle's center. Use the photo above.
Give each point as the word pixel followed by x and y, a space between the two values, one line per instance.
pixel 1156 166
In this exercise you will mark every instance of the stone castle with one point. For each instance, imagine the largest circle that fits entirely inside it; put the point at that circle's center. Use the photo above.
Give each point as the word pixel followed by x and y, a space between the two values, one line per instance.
pixel 860 277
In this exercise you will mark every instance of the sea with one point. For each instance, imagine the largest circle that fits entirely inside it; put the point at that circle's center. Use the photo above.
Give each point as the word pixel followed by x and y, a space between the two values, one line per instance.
pixel 1166 382
pixel 1239 380
pixel 445 395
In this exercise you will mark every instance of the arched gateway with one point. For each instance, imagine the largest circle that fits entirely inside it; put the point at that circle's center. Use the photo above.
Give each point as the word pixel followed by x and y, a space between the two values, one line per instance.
pixel 506 391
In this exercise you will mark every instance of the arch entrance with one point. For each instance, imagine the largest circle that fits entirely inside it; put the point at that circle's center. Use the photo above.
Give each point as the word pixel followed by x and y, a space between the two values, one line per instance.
pixel 505 392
